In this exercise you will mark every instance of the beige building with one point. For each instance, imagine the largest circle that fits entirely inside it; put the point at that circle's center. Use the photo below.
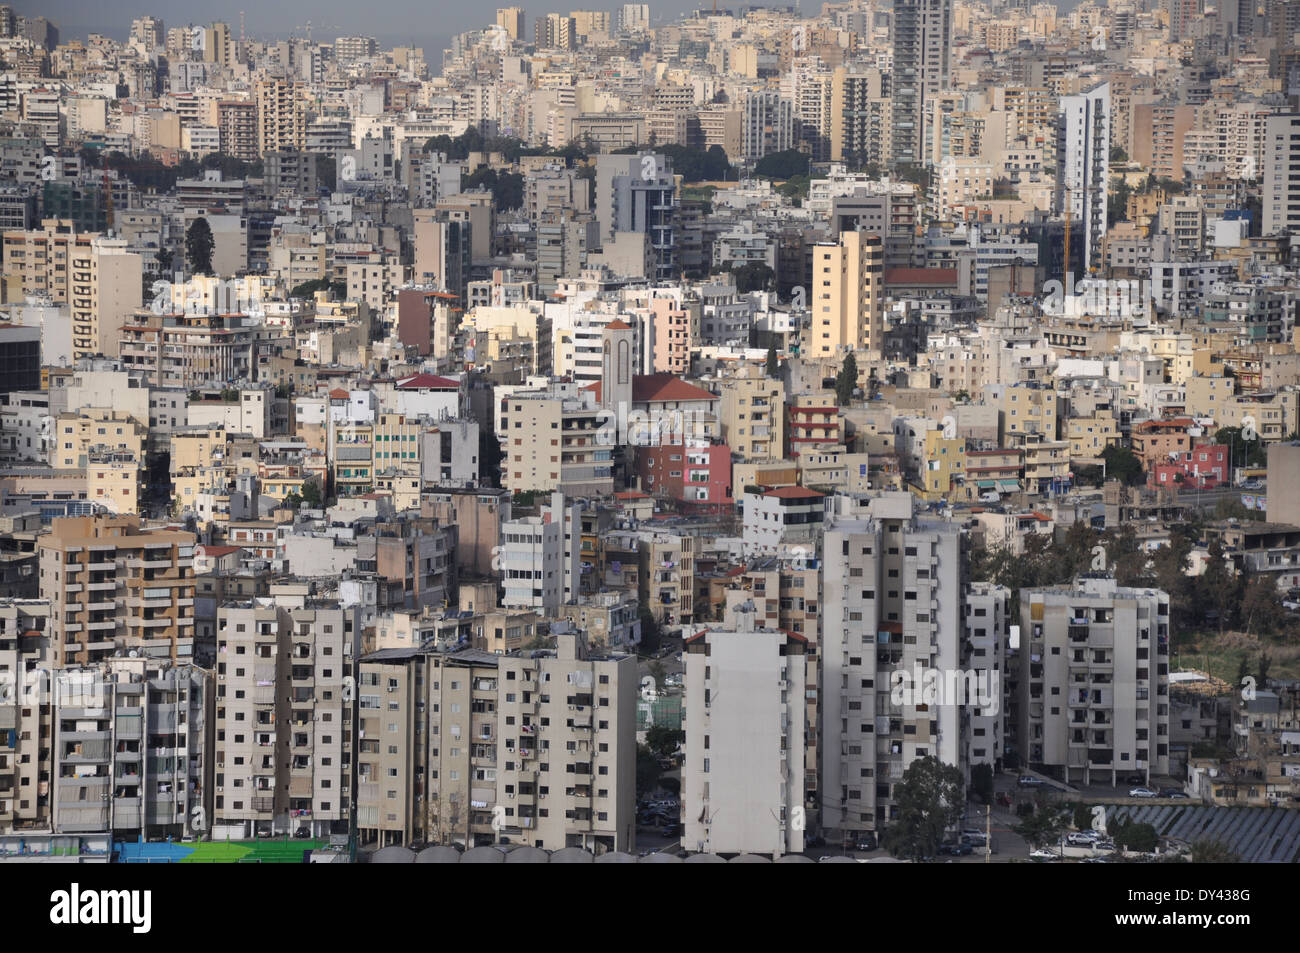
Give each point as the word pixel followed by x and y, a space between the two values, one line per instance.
pixel 553 443
pixel 847 296
pixel 281 116
pixel 751 415
pixel 113 585
pixel 284 742
pixel 537 751
pixel 1094 681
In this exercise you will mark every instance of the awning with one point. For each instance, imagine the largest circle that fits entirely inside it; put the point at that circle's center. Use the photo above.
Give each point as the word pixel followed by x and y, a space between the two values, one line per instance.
pixel 1009 485
pixel 986 484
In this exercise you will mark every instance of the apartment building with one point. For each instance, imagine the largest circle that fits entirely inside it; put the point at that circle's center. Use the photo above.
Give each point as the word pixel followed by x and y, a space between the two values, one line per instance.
pixel 281 116
pixel 847 297
pixel 1094 681
pixel 666 573
pixel 113 585
pixel 567 723
pixel 742 777
pixel 751 415
pixel 1281 199
pixel 554 442
pixel 1083 145
pixel 891 611
pixel 284 718
pixel 986 611
pixel 25 727
pixel 148 743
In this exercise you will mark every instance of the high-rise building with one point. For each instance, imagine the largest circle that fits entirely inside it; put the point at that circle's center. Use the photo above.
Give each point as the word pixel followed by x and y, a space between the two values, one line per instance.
pixel 742 777
pixel 634 18
pixel 1083 154
pixel 892 617
pixel 638 194
pixel 281 116
pixel 1094 681
pixel 922 40
pixel 860 117
pixel 471 748
pixel 514 21
pixel 284 743
pixel 847 296
pixel 767 124
pixel 1281 197
pixel 112 585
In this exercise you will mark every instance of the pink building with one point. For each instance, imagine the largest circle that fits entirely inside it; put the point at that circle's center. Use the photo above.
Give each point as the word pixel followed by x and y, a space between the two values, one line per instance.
pixel 1201 468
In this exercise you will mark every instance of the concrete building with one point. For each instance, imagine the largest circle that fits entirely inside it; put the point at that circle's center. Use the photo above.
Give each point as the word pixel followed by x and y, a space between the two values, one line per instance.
pixel 284 717
pixel 891 614
pixel 847 297
pixel 112 585
pixel 1094 681
pixel 1281 207
pixel 1083 147
pixel 742 777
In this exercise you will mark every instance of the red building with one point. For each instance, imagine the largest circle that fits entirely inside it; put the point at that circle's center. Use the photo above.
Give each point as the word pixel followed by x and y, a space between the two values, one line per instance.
pixel 1202 468
pixel 694 477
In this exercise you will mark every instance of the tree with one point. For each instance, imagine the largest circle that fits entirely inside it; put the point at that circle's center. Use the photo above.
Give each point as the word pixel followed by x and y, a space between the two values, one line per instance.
pixel 663 741
pixel 1246 450
pixel 1219 589
pixel 292 501
pixel 847 380
pixel 981 782
pixel 1213 852
pixel 929 801
pixel 1261 606
pixel 773 366
pixel 754 276
pixel 1122 464
pixel 647 770
pixel 1265 663
pixel 782 165
pixel 1045 825
pixel 1131 835
pixel 311 495
pixel 199 246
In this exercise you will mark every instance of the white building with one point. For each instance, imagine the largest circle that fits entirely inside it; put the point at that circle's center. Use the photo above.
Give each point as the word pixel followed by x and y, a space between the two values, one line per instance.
pixel 742 779
pixel 1083 145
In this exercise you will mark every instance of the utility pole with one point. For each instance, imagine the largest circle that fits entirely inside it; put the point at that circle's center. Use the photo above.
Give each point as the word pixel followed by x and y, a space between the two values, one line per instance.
pixel 988 832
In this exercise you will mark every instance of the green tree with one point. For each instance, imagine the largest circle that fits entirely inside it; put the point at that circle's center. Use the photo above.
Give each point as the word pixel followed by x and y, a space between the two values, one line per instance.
pixel 663 741
pixel 1261 606
pixel 1265 663
pixel 311 494
pixel 292 501
pixel 1210 851
pixel 647 770
pixel 847 380
pixel 1122 464
pixel 1131 835
pixel 1246 450
pixel 782 165
pixel 1045 825
pixel 754 276
pixel 199 245
pixel 1219 591
pixel 929 801
pixel 981 782
pixel 773 366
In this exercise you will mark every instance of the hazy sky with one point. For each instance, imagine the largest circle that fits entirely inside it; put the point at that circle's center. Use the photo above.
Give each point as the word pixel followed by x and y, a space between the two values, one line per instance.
pixel 390 21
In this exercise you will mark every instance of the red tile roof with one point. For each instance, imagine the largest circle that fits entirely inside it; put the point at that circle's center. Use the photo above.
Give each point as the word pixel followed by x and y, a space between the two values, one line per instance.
pixel 618 325
pixel 429 382
pixel 661 387
pixel 794 493
pixel 338 393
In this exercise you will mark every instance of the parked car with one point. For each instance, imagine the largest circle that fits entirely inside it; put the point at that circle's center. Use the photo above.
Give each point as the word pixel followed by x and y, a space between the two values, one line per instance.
pixel 1172 792
pixel 1041 855
pixel 1029 781
pixel 956 850
pixel 974 838
pixel 1082 838
pixel 1135 779
pixel 1142 792
pixel 866 841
